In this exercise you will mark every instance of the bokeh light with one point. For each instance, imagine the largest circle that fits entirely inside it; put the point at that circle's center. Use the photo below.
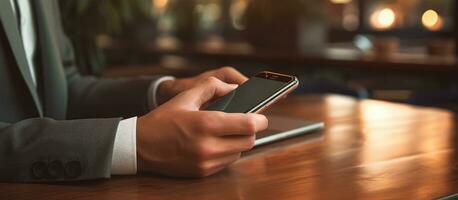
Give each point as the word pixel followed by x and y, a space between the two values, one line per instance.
pixel 340 1
pixel 383 19
pixel 431 20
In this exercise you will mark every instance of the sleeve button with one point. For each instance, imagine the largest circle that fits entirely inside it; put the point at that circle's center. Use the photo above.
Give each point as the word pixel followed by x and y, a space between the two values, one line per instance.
pixel 39 170
pixel 55 169
pixel 73 169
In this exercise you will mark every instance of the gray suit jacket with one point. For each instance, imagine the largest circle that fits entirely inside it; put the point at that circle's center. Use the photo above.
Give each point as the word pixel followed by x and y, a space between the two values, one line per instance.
pixel 43 136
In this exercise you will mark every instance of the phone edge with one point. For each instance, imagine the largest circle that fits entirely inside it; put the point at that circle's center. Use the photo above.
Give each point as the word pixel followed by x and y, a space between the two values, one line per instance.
pixel 275 97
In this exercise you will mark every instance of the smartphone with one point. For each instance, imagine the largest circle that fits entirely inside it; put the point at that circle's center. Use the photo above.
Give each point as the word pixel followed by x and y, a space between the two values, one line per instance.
pixel 256 94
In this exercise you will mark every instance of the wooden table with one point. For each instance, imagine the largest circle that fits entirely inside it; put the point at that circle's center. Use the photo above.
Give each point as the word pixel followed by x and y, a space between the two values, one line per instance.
pixel 368 150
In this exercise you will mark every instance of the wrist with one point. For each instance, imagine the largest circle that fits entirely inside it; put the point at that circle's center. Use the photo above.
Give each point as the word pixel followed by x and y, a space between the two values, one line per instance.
pixel 141 163
pixel 165 91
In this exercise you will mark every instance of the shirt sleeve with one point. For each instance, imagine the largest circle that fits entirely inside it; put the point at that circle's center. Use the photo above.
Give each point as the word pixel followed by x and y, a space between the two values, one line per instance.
pixel 152 101
pixel 124 161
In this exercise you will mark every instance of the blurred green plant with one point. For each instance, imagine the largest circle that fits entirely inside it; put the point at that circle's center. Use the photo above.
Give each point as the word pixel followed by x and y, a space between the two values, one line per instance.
pixel 85 20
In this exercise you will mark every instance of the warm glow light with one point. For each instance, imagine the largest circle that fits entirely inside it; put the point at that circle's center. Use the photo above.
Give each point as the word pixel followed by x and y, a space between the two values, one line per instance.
pixel 340 1
pixel 383 19
pixel 160 4
pixel 431 20
pixel 237 11
pixel 350 19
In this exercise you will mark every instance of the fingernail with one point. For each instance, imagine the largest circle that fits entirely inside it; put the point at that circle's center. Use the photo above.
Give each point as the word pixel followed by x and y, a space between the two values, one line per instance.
pixel 258 116
pixel 234 85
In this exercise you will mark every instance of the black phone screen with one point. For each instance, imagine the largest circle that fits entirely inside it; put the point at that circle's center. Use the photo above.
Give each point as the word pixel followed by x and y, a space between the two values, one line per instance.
pixel 248 95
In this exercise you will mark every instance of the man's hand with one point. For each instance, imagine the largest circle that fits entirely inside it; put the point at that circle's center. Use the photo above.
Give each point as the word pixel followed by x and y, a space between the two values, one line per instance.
pixel 169 89
pixel 177 139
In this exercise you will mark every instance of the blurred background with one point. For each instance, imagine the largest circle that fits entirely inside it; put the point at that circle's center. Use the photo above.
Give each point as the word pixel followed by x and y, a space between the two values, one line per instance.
pixel 401 51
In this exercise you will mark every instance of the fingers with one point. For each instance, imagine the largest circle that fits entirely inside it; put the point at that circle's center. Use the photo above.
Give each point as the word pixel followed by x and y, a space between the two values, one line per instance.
pixel 228 145
pixel 227 124
pixel 220 124
pixel 230 75
pixel 214 165
pixel 223 134
pixel 222 162
pixel 211 89
pixel 205 91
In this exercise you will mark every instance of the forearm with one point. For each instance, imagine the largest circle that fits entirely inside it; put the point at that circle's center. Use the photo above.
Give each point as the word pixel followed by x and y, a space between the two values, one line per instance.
pixel 91 97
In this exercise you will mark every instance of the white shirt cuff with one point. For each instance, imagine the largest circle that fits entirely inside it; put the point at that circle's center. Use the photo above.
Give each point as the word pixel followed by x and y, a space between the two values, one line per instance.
pixel 152 91
pixel 124 160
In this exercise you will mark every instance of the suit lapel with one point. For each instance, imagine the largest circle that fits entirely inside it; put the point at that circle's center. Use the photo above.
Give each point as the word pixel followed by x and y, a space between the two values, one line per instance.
pixel 54 82
pixel 8 20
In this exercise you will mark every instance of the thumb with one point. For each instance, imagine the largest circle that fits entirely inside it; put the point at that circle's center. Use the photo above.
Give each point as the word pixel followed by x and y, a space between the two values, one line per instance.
pixel 205 91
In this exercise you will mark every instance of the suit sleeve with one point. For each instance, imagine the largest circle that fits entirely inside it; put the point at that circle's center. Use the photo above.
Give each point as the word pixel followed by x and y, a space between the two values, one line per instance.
pixel 97 97
pixel 90 96
pixel 43 149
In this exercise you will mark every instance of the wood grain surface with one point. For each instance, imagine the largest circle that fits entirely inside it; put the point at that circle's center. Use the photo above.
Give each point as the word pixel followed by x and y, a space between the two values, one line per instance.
pixel 368 150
